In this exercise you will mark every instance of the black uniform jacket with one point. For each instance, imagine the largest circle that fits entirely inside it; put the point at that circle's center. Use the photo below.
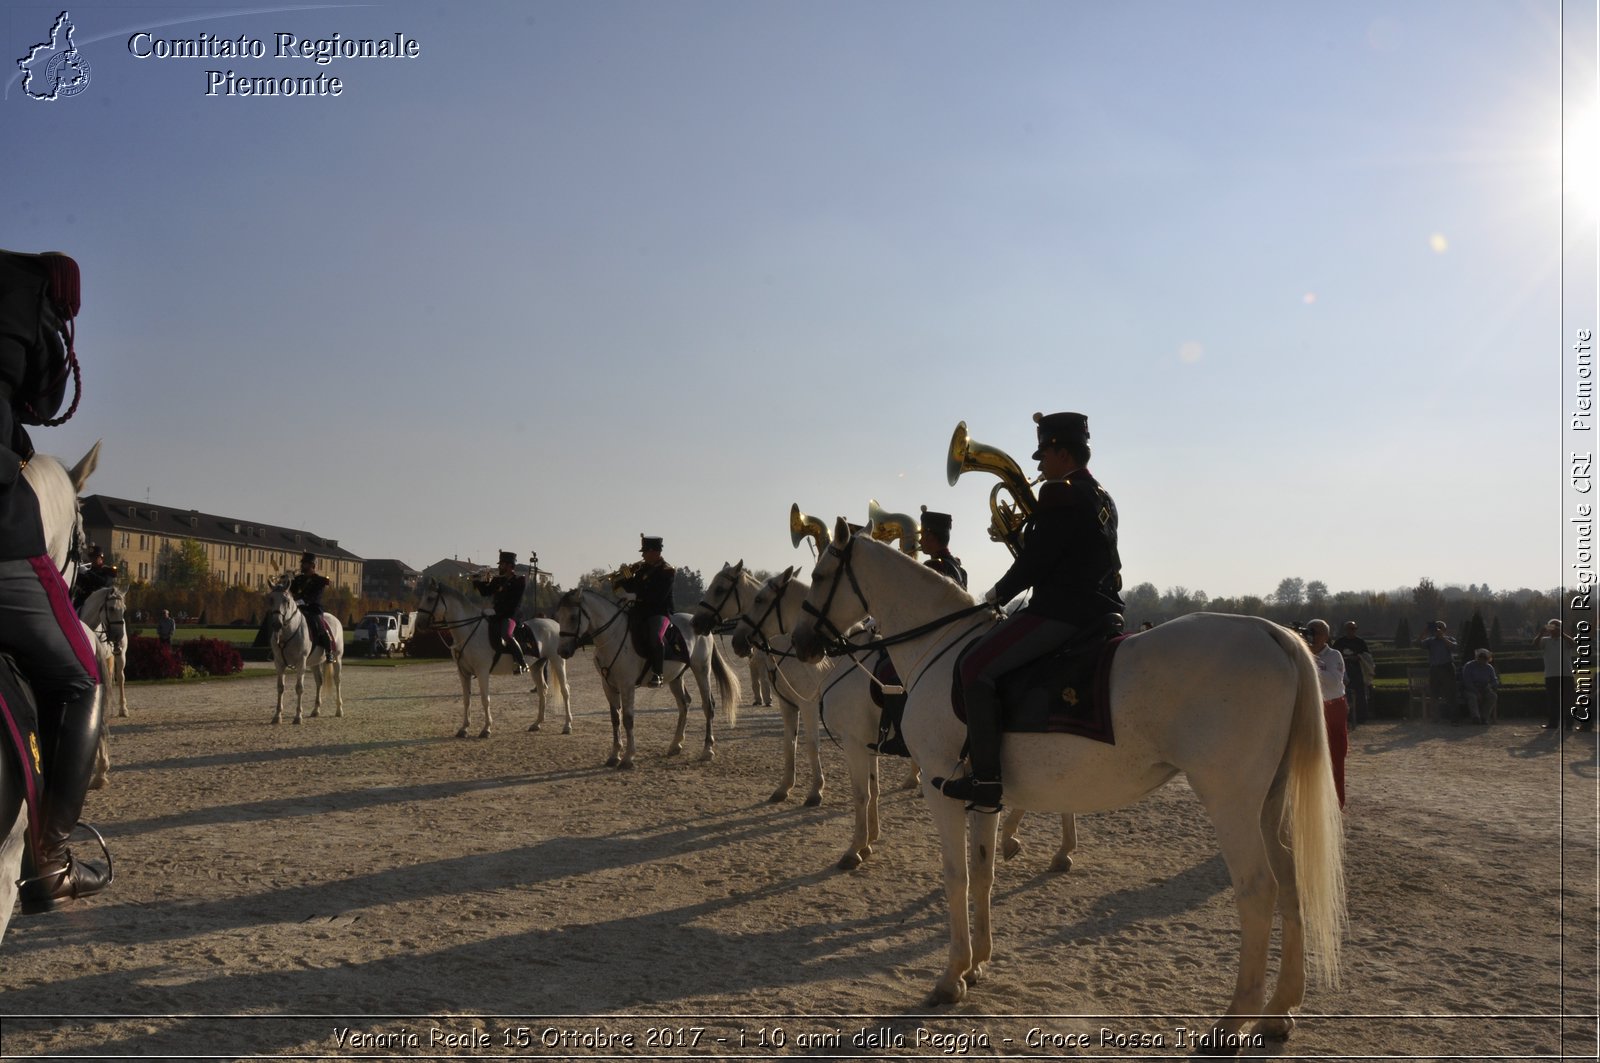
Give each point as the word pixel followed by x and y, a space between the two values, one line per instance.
pixel 651 586
pixel 1069 553
pixel 92 579
pixel 506 592
pixel 307 587
pixel 948 565
pixel 21 527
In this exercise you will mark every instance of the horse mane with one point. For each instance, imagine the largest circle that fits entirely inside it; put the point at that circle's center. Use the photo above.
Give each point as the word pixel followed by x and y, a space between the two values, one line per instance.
pixel 935 582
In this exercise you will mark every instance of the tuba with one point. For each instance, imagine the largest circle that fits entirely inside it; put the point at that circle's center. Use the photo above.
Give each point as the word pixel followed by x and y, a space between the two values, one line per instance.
pixel 1005 517
pixel 802 525
pixel 887 527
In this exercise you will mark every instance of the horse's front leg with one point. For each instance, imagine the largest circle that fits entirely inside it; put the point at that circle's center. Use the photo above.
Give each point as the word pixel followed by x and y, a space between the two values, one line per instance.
pixel 277 714
pixel 299 692
pixel 980 865
pixel 951 820
pixel 863 771
pixel 626 696
pixel 466 699
pixel 316 686
pixel 791 722
pixel 483 696
pixel 812 713
pixel 539 687
pixel 559 667
pixel 119 674
pixel 708 703
pixel 337 670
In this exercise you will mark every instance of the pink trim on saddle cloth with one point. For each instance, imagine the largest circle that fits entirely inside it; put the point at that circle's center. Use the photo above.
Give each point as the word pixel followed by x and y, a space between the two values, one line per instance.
pixel 30 778
pixel 55 589
pixel 661 631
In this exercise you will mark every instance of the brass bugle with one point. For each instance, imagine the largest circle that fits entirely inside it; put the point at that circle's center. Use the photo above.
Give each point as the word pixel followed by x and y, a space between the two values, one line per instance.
pixel 891 527
pixel 1005 517
pixel 802 525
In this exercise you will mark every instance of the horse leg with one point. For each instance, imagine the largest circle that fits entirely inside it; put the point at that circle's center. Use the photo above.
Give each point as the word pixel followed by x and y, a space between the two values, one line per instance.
pixel 119 674
pixel 813 721
pixel 627 695
pixel 874 791
pixel 299 692
pixel 102 757
pixel 951 820
pixel 614 703
pixel 980 865
pixel 1291 989
pixel 1010 846
pixel 316 686
pixel 466 699
pixel 337 674
pixel 1255 894
pixel 913 779
pixel 862 766
pixel 791 721
pixel 560 668
pixel 483 695
pixel 702 678
pixel 277 715
pixel 537 671
pixel 680 695
pixel 1069 843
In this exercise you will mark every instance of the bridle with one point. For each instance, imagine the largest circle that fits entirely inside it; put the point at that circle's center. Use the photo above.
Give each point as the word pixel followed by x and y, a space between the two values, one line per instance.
pixel 437 591
pixel 832 638
pixel 758 625
pixel 736 584
pixel 113 629
pixel 575 600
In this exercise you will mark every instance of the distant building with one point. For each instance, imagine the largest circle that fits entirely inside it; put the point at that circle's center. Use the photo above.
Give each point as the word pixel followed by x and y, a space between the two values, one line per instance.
pixel 139 538
pixel 389 579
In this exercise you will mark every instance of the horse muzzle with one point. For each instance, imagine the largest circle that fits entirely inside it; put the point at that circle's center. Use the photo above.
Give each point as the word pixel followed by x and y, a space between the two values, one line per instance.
pixel 741 645
pixel 807 646
pixel 703 622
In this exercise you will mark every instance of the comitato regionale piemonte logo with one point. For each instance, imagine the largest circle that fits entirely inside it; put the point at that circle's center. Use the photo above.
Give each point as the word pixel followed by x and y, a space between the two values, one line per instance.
pixel 55 69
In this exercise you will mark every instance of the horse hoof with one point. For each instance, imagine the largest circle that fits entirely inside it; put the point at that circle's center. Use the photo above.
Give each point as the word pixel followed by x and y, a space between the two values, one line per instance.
pixel 123 715
pixel 533 727
pixel 778 797
pixel 626 765
pixel 295 721
pixel 674 751
pixel 850 861
pixel 1062 864
pixel 612 761
pixel 813 800
pixel 1277 1027
pixel 483 733
pixel 1010 848
pixel 567 729
pixel 461 733
pixel 944 993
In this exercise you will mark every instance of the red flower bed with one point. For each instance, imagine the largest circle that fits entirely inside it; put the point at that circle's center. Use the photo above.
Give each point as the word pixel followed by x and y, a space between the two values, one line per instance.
pixel 212 656
pixel 149 659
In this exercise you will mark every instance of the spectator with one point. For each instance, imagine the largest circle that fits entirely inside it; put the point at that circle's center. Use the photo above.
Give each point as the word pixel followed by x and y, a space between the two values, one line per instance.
pixel 1559 688
pixel 1441 649
pixel 1335 710
pixel 372 636
pixel 1358 671
pixel 1480 684
pixel 165 627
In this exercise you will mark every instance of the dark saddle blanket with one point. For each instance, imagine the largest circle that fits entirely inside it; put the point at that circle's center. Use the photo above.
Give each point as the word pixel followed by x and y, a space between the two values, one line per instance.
pixel 19 719
pixel 664 633
pixel 1065 692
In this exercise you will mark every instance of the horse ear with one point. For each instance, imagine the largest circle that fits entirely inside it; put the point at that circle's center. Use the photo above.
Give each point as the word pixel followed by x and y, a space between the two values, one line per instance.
pixel 739 565
pixel 841 531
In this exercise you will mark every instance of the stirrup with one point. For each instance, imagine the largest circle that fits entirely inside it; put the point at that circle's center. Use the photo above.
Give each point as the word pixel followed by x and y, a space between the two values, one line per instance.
pixel 48 902
pixel 981 795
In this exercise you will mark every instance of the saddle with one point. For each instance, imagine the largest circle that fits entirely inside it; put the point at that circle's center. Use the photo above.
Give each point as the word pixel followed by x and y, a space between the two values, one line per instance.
pixel 19 719
pixel 524 636
pixel 321 634
pixel 890 743
pixel 664 632
pixel 1067 691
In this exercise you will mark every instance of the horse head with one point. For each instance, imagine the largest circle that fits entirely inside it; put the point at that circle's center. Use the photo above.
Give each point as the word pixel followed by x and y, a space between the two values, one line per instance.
pixel 280 606
pixel 835 603
pixel 722 596
pixel 573 621
pixel 772 613
pixel 57 489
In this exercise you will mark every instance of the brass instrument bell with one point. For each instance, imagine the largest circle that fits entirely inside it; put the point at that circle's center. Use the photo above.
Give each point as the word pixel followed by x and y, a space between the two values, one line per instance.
pixel 891 527
pixel 802 525
pixel 1006 517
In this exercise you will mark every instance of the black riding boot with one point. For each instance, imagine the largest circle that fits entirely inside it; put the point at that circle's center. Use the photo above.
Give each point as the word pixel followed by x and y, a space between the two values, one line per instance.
pixel 516 652
pixel 658 665
pixel 55 878
pixel 980 788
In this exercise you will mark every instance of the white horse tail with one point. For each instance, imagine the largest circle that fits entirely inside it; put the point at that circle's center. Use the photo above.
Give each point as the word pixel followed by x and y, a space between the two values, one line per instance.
pixel 1316 826
pixel 728 686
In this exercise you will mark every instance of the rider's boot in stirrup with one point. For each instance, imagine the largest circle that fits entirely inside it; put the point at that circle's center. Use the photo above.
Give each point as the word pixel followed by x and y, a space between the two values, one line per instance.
pixel 56 877
pixel 980 787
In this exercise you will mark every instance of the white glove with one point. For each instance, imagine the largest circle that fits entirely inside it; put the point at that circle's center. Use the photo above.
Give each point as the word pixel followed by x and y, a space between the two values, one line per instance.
pixel 988 595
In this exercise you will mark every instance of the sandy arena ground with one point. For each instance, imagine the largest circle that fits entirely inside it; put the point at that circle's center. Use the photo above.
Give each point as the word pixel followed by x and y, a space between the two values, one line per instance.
pixel 372 886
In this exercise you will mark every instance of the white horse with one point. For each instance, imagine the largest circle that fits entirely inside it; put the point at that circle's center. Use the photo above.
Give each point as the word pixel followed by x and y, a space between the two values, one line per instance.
pixel 841 699
pixel 105 612
pixel 1233 702
pixel 589 617
pixel 293 651
pixel 731 592
pixel 466 628
pixel 57 489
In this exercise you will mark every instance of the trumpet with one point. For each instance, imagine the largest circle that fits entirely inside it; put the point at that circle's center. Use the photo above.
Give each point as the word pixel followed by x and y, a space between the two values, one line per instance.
pixel 1006 517
pixel 888 527
pixel 802 525
pixel 624 572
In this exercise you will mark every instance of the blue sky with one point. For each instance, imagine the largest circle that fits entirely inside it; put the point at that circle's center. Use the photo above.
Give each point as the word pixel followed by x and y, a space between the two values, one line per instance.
pixel 585 270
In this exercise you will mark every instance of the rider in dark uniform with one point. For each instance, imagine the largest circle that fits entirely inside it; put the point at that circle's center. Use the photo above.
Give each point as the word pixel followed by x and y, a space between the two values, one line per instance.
pixel 1068 555
pixel 935 541
pixel 97 576
pixel 306 588
pixel 505 590
pixel 38 298
pixel 650 583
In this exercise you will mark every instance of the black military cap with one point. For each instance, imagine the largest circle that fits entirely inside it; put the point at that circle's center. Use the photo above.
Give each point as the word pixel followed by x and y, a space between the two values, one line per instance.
pixel 937 522
pixel 308 556
pixel 1058 428
pixel 508 557
pixel 649 542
